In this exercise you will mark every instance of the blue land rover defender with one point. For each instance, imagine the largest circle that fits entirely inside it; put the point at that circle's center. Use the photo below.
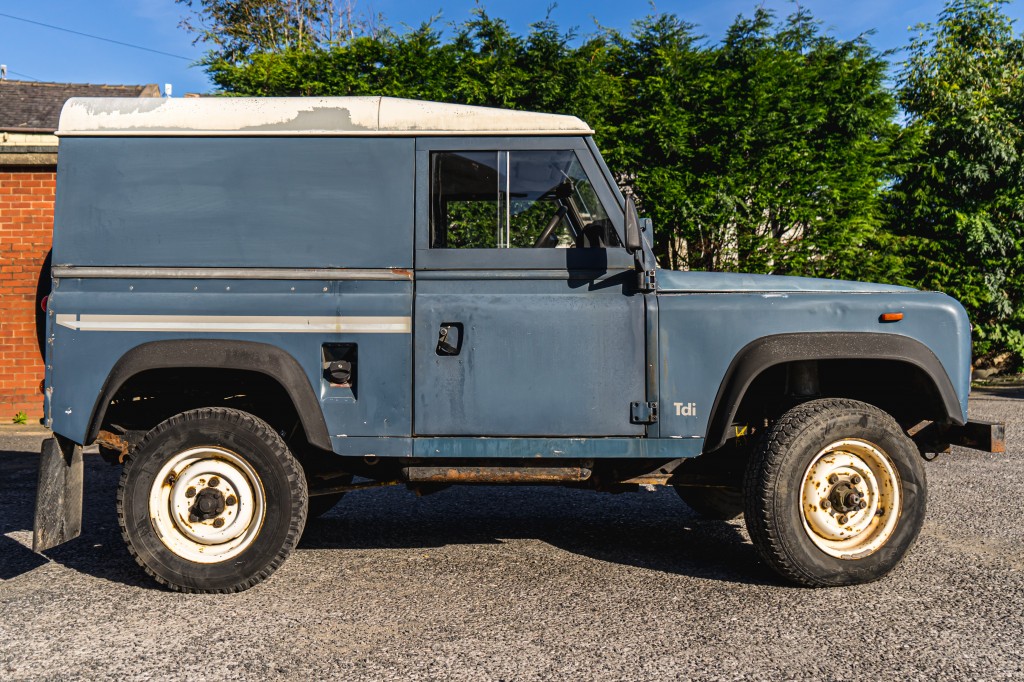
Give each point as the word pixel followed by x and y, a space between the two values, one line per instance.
pixel 260 305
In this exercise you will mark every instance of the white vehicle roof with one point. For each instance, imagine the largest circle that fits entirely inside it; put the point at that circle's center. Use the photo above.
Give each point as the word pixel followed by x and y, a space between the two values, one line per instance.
pixel 277 116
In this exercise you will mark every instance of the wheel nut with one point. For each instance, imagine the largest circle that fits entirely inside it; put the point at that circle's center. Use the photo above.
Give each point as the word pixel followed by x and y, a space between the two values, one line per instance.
pixel 833 479
pixel 193 518
pixel 863 504
pixel 841 519
pixel 855 479
pixel 218 522
pixel 825 504
pixel 214 482
pixel 231 501
pixel 191 492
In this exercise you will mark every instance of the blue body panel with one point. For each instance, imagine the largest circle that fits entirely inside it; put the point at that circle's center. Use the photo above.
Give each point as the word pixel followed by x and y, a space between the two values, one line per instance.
pixel 82 359
pixel 539 357
pixel 701 332
pixel 256 202
pixel 670 282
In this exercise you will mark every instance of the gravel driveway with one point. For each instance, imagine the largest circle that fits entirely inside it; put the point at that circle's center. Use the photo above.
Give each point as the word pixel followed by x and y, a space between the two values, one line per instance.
pixel 527 583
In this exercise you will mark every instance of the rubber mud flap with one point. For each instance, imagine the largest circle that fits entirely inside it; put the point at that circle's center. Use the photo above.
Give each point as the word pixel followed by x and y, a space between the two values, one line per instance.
pixel 58 494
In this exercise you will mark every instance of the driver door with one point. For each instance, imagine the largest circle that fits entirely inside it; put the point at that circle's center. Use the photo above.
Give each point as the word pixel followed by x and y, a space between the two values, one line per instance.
pixel 527 319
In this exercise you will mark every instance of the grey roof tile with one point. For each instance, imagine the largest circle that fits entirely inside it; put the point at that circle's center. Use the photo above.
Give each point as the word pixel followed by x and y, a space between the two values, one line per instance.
pixel 31 105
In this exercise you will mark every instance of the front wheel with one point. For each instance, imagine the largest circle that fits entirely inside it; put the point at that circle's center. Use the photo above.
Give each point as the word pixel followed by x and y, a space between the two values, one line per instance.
pixel 835 495
pixel 211 501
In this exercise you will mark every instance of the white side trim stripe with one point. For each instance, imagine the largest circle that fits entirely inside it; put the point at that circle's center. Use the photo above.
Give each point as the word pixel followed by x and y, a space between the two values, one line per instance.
pixel 328 274
pixel 236 323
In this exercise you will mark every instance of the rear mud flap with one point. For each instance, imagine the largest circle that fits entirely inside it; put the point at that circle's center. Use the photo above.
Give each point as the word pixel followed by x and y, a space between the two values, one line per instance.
pixel 58 494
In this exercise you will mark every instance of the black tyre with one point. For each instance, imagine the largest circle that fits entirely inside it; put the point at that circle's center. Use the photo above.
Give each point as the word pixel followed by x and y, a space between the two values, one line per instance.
pixel 716 504
pixel 211 501
pixel 835 494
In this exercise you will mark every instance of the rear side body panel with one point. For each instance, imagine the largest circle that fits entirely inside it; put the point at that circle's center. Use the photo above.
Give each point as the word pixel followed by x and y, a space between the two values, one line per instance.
pixel 295 243
pixel 244 202
pixel 114 316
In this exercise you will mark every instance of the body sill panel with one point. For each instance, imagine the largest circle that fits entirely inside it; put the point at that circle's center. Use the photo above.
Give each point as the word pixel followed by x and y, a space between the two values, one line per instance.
pixel 518 448
pixel 556 448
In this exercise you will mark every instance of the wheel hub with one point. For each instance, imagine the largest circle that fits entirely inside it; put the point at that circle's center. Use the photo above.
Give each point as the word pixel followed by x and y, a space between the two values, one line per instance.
pixel 851 499
pixel 847 497
pixel 207 505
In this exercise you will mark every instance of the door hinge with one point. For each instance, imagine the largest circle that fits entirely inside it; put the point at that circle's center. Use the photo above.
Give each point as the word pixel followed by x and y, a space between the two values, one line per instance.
pixel 646 280
pixel 643 412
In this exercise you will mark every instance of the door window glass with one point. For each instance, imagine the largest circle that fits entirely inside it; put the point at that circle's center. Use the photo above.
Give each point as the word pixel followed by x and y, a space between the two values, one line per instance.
pixel 514 199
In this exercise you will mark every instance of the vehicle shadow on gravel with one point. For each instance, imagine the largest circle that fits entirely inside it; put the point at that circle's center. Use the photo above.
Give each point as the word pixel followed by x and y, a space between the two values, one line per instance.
pixel 98 551
pixel 649 530
pixel 16 559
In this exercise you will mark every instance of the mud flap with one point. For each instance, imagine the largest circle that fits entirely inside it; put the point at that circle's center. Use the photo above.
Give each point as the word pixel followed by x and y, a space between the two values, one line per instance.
pixel 58 494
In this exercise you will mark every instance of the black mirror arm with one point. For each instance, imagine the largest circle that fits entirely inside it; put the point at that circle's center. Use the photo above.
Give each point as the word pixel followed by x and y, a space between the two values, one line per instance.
pixel 634 242
pixel 646 258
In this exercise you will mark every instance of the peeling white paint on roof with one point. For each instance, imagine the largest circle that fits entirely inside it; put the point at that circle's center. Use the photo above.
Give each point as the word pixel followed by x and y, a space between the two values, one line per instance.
pixel 276 116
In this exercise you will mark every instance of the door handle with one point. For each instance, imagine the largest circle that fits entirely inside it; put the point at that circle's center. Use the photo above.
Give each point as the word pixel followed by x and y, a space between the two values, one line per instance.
pixel 449 338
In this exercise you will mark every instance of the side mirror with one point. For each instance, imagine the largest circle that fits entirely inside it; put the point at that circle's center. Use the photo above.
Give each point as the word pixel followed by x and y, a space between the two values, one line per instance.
pixel 633 239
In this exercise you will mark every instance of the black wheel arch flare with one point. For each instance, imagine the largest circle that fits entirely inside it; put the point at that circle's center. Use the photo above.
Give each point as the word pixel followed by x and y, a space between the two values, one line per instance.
pixel 220 354
pixel 769 351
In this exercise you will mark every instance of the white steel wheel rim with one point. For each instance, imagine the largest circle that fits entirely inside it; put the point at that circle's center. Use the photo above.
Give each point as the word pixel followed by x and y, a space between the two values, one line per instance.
pixel 840 470
pixel 217 535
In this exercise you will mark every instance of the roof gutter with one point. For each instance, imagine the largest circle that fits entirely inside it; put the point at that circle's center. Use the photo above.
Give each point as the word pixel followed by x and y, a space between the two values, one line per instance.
pixel 16 129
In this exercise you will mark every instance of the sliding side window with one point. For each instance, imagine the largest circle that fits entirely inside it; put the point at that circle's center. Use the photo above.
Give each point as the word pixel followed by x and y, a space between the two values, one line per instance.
pixel 514 200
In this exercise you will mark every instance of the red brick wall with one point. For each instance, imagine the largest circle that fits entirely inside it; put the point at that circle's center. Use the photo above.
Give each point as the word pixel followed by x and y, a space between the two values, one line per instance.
pixel 26 227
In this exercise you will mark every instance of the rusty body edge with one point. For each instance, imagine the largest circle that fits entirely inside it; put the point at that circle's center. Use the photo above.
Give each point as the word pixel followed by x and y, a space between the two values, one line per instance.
pixel 935 437
pixel 979 435
pixel 496 474
pixel 333 490
pixel 115 442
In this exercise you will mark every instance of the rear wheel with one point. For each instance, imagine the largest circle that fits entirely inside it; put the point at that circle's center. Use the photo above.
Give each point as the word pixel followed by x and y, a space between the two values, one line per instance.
pixel 211 501
pixel 835 495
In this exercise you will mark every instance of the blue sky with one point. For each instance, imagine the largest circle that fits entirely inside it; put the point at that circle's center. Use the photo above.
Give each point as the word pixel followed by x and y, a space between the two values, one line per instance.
pixel 45 54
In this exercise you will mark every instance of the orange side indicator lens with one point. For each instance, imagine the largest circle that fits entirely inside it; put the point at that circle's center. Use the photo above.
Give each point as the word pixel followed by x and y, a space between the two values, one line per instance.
pixel 890 317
